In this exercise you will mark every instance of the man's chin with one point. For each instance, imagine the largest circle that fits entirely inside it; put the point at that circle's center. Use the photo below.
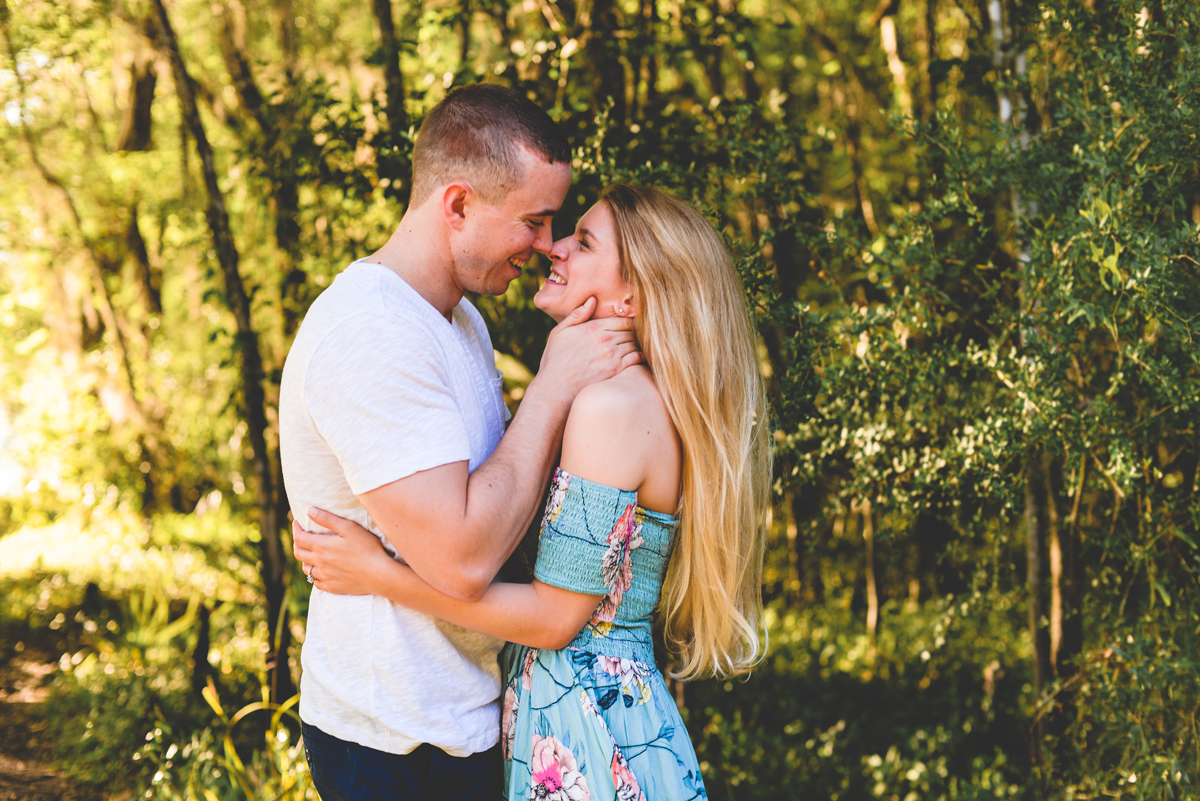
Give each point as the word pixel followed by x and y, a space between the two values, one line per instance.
pixel 498 286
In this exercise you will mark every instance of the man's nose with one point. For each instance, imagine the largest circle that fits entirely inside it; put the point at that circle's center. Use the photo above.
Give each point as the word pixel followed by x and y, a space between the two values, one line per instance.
pixel 544 241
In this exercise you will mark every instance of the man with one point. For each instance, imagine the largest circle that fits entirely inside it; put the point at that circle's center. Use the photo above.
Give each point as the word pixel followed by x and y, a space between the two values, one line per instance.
pixel 391 415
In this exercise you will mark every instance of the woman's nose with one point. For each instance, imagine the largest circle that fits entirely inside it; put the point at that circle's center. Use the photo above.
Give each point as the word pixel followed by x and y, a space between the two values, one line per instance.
pixel 558 250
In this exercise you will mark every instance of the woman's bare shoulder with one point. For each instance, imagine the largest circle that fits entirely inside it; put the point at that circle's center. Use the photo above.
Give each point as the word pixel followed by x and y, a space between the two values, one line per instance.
pixel 629 389
pixel 614 429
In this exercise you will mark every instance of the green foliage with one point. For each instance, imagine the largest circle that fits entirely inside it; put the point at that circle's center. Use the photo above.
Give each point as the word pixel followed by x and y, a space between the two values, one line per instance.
pixel 974 330
pixel 124 608
pixel 203 770
pixel 209 766
pixel 925 719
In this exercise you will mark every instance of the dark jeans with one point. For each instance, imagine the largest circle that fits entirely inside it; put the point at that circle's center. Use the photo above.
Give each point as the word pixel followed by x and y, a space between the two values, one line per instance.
pixel 343 771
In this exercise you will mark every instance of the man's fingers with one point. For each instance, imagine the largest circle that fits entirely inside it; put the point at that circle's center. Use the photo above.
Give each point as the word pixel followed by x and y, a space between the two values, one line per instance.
pixel 581 314
pixel 609 326
pixel 629 354
pixel 618 323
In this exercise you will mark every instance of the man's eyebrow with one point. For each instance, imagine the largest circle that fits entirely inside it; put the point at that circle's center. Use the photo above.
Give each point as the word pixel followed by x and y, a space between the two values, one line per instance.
pixel 542 213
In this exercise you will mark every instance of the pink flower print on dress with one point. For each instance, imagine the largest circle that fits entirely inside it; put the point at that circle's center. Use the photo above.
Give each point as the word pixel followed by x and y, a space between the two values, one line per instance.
pixel 558 494
pixel 616 566
pixel 512 703
pixel 527 670
pixel 556 775
pixel 624 780
pixel 508 719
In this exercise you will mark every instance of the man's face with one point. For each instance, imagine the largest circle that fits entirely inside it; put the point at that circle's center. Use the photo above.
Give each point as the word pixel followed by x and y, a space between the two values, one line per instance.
pixel 497 240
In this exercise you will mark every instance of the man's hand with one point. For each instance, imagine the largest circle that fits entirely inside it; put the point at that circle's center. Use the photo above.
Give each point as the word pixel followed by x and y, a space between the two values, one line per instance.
pixel 582 351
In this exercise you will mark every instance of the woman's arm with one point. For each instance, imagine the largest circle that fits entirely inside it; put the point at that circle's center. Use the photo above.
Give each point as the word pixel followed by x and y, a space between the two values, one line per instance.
pixel 352 562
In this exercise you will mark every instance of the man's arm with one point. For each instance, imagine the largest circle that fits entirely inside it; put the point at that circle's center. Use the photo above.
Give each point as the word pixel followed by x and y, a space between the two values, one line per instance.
pixel 540 615
pixel 454 528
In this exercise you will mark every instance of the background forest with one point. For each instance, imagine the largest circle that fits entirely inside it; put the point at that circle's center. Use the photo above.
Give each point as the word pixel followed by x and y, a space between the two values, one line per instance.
pixel 970 234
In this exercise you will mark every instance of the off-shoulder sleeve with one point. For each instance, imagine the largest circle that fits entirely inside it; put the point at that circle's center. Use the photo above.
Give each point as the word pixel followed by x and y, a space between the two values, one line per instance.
pixel 585 526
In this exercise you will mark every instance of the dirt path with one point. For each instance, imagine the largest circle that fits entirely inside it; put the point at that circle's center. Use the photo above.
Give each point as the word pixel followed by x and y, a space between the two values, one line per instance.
pixel 24 750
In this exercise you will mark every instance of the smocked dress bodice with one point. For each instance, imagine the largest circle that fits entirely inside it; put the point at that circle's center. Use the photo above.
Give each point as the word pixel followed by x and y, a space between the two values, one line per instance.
pixel 596 540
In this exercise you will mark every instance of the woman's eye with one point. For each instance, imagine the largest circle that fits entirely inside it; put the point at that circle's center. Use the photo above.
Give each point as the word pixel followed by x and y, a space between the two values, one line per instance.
pixel 583 244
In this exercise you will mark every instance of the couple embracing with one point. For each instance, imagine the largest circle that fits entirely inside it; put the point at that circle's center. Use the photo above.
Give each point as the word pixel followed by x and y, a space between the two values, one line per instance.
pixel 408 499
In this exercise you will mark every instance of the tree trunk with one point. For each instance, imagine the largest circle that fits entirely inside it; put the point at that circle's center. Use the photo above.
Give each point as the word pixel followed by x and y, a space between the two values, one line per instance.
pixel 233 54
pixel 397 119
pixel 643 65
pixel 1037 518
pixel 861 189
pixel 149 279
pixel 792 585
pixel 464 34
pixel 1033 520
pixel 808 571
pixel 285 25
pixel 1055 553
pixel 891 48
pixel 136 128
pixel 716 56
pixel 929 85
pixel 275 150
pixel 271 544
pixel 604 61
pixel 1066 631
pixel 201 667
pixel 868 533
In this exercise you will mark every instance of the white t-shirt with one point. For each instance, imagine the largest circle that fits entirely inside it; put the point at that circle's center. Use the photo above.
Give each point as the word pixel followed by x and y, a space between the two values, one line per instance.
pixel 379 385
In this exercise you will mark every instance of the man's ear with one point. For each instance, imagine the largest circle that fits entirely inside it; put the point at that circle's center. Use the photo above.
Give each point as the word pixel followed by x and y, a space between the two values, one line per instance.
pixel 455 199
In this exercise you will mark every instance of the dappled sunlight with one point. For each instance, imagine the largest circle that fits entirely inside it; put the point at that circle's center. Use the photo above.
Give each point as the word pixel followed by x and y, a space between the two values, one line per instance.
pixel 122 553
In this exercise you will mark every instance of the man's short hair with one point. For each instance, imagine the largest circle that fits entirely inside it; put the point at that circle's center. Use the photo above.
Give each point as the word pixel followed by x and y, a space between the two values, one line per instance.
pixel 475 135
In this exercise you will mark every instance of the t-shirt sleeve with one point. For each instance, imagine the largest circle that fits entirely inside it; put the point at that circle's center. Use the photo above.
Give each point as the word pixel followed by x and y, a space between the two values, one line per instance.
pixel 585 526
pixel 378 392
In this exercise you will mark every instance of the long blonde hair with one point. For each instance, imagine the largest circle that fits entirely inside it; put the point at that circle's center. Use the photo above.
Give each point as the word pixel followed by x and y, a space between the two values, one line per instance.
pixel 695 332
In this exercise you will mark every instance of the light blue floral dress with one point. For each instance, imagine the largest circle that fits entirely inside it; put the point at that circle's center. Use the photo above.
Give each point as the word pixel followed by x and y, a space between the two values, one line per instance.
pixel 595 721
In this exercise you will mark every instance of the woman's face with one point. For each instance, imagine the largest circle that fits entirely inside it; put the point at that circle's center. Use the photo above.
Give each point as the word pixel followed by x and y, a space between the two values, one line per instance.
pixel 586 264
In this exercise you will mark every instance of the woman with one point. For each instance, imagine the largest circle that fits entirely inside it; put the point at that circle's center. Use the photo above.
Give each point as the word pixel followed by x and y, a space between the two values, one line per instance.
pixel 659 502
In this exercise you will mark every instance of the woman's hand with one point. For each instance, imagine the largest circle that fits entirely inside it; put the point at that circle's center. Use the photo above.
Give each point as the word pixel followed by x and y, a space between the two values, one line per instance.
pixel 348 561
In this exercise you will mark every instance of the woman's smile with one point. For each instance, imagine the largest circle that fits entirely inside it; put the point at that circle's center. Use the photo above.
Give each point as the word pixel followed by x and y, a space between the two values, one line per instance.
pixel 587 264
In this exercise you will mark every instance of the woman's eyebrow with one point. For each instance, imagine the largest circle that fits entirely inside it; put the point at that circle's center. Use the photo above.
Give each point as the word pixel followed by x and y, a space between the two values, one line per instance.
pixel 584 232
